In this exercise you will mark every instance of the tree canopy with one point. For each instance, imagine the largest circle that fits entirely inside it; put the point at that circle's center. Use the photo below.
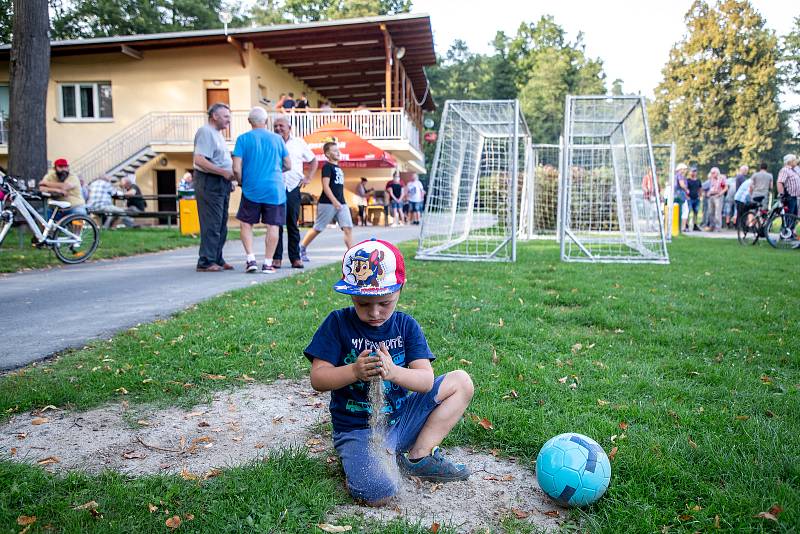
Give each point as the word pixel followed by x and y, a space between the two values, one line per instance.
pixel 719 96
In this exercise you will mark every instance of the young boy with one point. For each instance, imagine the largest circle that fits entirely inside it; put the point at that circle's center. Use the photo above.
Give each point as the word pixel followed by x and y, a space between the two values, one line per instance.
pixel 331 206
pixel 370 341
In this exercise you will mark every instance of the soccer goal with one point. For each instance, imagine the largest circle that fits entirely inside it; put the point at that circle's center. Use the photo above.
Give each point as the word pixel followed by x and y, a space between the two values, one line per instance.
pixel 609 200
pixel 538 213
pixel 481 158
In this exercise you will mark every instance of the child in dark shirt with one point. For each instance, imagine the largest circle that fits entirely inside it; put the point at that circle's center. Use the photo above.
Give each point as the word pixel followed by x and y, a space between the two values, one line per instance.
pixel 331 206
pixel 371 341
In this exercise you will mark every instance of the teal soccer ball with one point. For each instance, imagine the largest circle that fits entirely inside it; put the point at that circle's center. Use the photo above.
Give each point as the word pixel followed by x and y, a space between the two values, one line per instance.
pixel 573 469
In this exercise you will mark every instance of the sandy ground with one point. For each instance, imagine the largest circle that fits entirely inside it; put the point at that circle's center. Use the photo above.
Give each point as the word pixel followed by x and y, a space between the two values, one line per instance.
pixel 243 425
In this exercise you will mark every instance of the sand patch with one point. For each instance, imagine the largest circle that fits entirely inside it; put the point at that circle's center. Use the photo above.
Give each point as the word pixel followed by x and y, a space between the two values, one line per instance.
pixel 242 425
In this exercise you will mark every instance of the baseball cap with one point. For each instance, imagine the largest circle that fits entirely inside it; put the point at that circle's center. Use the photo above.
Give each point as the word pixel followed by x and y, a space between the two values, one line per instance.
pixel 681 167
pixel 61 162
pixel 372 268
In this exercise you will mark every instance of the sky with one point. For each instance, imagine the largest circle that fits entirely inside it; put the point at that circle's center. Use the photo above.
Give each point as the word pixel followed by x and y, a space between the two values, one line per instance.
pixel 633 38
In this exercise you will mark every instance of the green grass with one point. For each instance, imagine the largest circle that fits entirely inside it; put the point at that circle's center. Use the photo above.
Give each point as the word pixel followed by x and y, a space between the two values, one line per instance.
pixel 113 244
pixel 699 359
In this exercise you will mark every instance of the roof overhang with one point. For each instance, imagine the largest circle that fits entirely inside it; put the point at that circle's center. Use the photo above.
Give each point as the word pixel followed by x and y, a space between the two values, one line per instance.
pixel 342 59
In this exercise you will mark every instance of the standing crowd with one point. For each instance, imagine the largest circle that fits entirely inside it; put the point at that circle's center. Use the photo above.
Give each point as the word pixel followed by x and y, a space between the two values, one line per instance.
pixel 721 198
pixel 269 166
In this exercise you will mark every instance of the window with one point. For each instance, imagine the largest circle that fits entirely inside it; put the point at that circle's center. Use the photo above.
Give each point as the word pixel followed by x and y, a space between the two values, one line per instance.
pixel 86 101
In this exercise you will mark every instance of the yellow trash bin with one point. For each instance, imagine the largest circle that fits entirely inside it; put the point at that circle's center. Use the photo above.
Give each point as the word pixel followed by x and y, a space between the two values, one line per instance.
pixel 189 220
pixel 675 228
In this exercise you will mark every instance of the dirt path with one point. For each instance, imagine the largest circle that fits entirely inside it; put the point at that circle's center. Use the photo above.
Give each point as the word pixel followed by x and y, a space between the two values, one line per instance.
pixel 243 425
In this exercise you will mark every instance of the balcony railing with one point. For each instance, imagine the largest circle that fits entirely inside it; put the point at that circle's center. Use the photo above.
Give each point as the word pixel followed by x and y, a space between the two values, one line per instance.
pixel 167 128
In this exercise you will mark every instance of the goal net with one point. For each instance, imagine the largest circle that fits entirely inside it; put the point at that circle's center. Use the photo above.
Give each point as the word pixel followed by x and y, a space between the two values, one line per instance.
pixel 539 193
pixel 609 199
pixel 480 160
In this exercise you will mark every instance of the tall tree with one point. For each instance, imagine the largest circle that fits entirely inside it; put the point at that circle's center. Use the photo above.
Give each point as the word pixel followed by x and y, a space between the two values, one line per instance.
pixel 719 96
pixel 106 18
pixel 6 20
pixel 502 82
pixel 269 12
pixel 314 10
pixel 29 74
pixel 790 75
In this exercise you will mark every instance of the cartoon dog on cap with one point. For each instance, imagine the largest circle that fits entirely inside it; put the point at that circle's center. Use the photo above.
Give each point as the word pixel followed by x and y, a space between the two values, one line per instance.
pixel 366 268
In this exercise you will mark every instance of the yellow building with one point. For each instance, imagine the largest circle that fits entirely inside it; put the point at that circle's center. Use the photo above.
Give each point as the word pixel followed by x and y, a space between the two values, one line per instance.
pixel 131 105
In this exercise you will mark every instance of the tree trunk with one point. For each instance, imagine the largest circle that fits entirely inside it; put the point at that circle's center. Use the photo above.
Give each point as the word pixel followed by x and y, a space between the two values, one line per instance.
pixel 30 73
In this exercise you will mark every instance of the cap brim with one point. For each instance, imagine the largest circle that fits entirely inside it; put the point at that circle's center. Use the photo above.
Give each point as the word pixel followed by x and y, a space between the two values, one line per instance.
pixel 365 291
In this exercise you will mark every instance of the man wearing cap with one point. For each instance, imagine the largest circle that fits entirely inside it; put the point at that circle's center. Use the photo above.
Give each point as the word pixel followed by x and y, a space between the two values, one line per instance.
pixel 294 179
pixel 66 186
pixel 213 184
pixel 680 191
pixel 371 341
pixel 789 183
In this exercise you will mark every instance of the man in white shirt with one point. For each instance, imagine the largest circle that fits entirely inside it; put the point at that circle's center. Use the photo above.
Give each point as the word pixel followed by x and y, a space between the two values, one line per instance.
pixel 294 180
pixel 416 195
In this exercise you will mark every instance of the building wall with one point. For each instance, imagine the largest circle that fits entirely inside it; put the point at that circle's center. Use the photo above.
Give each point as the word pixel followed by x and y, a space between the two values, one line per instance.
pixel 164 80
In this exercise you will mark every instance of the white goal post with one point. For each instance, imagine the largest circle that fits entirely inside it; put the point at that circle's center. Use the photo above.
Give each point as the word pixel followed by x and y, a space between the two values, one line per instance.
pixel 610 206
pixel 481 159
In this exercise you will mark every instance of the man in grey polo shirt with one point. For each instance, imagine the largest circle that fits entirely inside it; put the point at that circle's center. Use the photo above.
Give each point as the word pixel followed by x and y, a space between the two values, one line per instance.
pixel 213 183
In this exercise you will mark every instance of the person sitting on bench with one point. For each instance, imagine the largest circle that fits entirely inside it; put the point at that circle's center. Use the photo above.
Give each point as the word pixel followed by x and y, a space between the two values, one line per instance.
pixel 101 202
pixel 134 195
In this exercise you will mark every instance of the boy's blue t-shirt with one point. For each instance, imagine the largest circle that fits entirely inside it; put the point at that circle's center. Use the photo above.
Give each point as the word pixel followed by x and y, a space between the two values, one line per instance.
pixel 339 340
pixel 262 154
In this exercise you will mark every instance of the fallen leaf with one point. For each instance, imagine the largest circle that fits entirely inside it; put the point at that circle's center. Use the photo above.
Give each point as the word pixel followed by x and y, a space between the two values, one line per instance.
pixel 436 487
pixel 24 520
pixel 259 445
pixel 507 478
pixel 39 421
pixel 692 443
pixel 91 505
pixel 495 359
pixel 121 391
pixel 613 453
pixel 623 425
pixel 173 522
pixel 552 513
pixel 152 507
pixel 212 473
pixel 485 423
pixel 576 348
pixel 434 528
pixel 771 514
pixel 474 418
pixel 186 475
pixel 143 422
pixel 494 452
pixel 193 414
pixel 696 508
pixel 742 417
pixel 514 394
pixel 601 402
pixel 203 424
pixel 13 451
pixel 562 380
pixel 465 362
pixel 685 517
pixel 188 517
pixel 131 455
pixel 333 528
pixel 204 439
pixel 520 514
pixel 213 377
pixel 49 460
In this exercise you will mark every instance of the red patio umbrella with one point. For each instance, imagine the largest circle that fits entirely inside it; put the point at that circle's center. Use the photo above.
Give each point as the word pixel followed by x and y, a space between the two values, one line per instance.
pixel 356 152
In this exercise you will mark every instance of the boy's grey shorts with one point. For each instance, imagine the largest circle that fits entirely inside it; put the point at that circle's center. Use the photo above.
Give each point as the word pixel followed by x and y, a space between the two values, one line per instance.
pixel 326 214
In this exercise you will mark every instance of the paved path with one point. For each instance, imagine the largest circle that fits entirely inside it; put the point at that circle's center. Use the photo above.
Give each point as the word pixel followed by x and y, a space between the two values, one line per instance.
pixel 49 310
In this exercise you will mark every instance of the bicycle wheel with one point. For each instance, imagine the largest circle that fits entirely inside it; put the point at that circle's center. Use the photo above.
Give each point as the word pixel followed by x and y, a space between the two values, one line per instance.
pixel 67 248
pixel 748 228
pixel 781 231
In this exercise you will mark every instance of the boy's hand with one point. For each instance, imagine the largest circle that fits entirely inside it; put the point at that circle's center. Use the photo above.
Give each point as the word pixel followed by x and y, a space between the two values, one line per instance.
pixel 367 366
pixel 388 368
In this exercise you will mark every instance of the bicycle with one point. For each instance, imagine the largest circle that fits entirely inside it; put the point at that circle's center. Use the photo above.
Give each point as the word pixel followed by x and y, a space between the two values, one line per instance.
pixel 73 238
pixel 776 225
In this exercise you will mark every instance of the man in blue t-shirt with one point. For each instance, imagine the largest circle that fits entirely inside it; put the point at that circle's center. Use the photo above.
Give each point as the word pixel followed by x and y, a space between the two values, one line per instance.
pixel 371 341
pixel 259 159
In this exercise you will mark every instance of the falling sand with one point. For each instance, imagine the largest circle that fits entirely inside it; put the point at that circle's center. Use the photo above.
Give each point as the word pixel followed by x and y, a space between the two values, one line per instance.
pixel 378 431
